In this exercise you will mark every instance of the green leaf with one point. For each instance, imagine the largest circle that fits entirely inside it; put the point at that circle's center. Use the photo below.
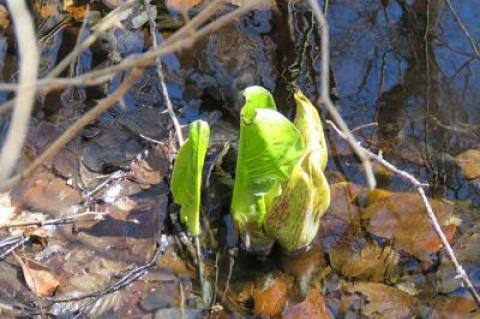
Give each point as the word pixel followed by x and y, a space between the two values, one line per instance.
pixel 186 179
pixel 269 147
pixel 294 217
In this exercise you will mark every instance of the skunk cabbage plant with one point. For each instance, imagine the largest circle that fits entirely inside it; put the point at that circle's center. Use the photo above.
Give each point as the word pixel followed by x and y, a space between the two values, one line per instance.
pixel 268 149
pixel 294 218
pixel 186 178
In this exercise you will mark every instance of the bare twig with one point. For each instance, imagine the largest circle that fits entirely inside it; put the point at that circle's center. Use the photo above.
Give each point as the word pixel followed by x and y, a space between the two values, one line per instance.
pixel 57 221
pixel 461 273
pixel 163 85
pixel 325 94
pixel 29 61
pixel 19 243
pixel 126 279
pixel 70 133
pixel 463 27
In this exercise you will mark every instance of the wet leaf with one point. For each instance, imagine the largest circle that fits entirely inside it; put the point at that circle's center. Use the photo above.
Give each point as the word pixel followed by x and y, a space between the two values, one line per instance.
pixel 402 217
pixel 364 260
pixel 47 194
pixel 39 278
pixel 469 162
pixel 374 300
pixel 271 300
pixel 313 307
pixel 455 308
pixel 467 250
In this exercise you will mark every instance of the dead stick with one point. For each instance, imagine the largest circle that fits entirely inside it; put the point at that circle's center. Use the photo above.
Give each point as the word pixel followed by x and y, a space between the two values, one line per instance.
pixel 57 221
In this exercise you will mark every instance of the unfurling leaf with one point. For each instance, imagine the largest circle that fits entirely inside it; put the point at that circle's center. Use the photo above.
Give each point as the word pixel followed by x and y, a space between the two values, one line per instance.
pixel 294 218
pixel 186 179
pixel 269 147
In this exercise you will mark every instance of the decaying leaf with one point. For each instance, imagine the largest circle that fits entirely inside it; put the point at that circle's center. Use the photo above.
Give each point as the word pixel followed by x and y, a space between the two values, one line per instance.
pixel 469 162
pixel 271 300
pixel 455 308
pixel 313 307
pixel 375 300
pixel 364 260
pixel 402 217
pixel 40 280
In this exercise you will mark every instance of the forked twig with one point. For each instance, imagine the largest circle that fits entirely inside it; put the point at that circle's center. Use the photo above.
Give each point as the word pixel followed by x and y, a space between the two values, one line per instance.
pixel 325 94
pixel 461 273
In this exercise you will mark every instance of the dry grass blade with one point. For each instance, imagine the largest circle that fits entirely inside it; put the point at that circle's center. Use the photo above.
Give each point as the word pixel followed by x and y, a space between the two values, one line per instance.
pixel 29 61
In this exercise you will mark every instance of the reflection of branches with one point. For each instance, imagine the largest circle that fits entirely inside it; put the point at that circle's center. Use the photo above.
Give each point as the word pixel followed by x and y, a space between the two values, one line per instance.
pixel 29 61
pixel 463 27
pixel 184 38
pixel 325 94
pixel 461 273
pixel 49 82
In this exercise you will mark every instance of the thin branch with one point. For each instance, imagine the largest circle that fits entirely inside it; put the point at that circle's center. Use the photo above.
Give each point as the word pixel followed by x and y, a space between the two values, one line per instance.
pixel 166 96
pixel 72 131
pixel 461 273
pixel 57 221
pixel 123 282
pixel 463 27
pixel 29 61
pixel 325 95
pixel 169 47
pixel 19 243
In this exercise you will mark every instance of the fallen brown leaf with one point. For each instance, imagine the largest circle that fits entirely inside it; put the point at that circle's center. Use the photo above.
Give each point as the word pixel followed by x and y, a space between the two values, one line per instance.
pixel 39 279
pixel 270 301
pixel 313 307
pixel 402 217
pixel 469 162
